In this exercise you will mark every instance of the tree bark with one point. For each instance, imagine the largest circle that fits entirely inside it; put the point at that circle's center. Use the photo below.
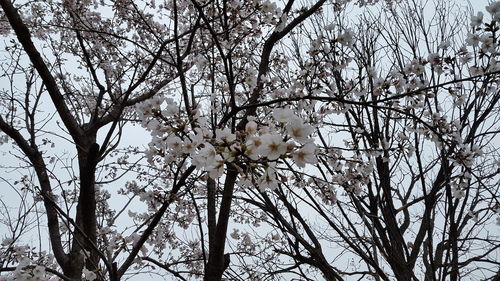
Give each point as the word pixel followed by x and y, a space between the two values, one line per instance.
pixel 215 266
pixel 86 217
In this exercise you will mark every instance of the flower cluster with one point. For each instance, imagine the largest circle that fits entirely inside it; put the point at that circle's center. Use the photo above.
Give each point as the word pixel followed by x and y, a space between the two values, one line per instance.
pixel 30 265
pixel 258 148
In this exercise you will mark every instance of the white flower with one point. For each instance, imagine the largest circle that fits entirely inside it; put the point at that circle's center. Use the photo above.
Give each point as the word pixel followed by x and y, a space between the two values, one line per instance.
pixel 235 234
pixel 235 4
pixel 329 27
pixel 305 155
pixel 200 62
pixel 190 146
pixel 253 145
pixel 488 45
pixel 282 23
pixel 224 135
pixel 251 127
pixel 474 70
pixel 283 115
pixel 89 275
pixel 251 78
pixel 174 143
pixel 457 193
pixel 272 146
pixel 4 139
pixel 346 38
pixel 208 160
pixel 378 86
pixel 268 7
pixel 444 45
pixel 476 20
pixel 216 169
pixel 205 157
pixel 154 126
pixel 7 241
pixel 434 58
pixel 465 58
pixel 268 180
pixel 38 273
pixel 473 39
pixel 371 72
pixel 474 216
pixel 299 131
pixel 494 10
pixel 172 108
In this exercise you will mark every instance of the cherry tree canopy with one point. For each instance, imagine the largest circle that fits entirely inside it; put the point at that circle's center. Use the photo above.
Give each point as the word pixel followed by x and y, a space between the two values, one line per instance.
pixel 249 140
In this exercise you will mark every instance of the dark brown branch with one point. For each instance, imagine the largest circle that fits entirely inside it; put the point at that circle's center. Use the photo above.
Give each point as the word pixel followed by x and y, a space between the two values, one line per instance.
pixel 24 37
pixel 154 222
pixel 38 163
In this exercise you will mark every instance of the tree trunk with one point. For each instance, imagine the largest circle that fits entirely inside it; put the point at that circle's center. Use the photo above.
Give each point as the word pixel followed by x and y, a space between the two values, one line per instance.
pixel 86 217
pixel 215 265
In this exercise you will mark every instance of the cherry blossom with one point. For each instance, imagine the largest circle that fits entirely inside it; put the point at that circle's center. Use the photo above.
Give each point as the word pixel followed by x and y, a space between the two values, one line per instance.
pixel 494 10
pixel 299 131
pixel 204 140
pixel 306 154
pixel 89 275
pixel 284 115
pixel 205 157
pixel 268 181
pixel 224 135
pixel 272 146
pixel 477 20
pixel 251 127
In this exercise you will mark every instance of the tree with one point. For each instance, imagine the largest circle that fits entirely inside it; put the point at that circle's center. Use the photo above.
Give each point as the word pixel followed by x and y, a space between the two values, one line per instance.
pixel 94 69
pixel 333 149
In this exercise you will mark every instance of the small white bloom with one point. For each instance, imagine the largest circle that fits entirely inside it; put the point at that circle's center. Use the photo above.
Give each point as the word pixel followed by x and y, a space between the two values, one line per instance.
pixel 272 146
pixel 346 38
pixel 89 275
pixel 458 193
pixel 205 157
pixel 305 155
pixel 251 127
pixel 200 62
pixel 434 59
pixel 474 70
pixel 38 273
pixel 494 10
pixel 465 58
pixel 268 180
pixel 476 20
pixel 235 234
pixel 224 135
pixel 371 72
pixel 268 7
pixel 216 169
pixel 330 27
pixel 7 241
pixel 488 45
pixel 282 23
pixel 444 45
pixel 253 147
pixel 472 39
pixel 473 216
pixel 299 131
pixel 173 142
pixel 171 110
pixel 283 115
pixel 190 146
pixel 154 126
